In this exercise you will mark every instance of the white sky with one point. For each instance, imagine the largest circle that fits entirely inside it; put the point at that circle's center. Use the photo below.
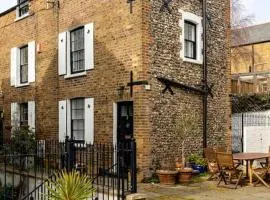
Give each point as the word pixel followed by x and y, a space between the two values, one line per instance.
pixel 6 4
pixel 259 8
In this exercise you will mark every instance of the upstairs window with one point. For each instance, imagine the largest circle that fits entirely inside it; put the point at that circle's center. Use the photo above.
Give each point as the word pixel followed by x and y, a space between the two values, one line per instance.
pixel 23 8
pixel 190 40
pixel 77 50
pixel 24 64
pixel 191 49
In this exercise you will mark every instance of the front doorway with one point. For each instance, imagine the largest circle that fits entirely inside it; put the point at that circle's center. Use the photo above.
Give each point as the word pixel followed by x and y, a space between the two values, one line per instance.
pixel 124 121
pixel 125 128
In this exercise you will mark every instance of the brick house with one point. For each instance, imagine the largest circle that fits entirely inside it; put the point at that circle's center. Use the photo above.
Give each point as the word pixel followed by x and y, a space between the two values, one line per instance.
pixel 250 59
pixel 66 70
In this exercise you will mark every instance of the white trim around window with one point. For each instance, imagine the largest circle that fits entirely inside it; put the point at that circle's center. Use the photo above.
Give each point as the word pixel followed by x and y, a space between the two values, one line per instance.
pixel 65 52
pixel 15 65
pixel 20 15
pixel 190 17
pixel 15 113
pixel 67 113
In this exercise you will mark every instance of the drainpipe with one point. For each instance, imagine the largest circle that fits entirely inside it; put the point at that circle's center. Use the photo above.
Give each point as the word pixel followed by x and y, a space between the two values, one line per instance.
pixel 205 78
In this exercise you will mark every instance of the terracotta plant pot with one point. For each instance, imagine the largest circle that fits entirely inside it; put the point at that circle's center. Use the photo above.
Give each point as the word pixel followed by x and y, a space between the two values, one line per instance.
pixel 185 175
pixel 167 177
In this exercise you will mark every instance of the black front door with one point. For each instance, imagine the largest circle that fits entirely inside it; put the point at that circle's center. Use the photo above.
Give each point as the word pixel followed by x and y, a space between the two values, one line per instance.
pixel 124 130
pixel 124 122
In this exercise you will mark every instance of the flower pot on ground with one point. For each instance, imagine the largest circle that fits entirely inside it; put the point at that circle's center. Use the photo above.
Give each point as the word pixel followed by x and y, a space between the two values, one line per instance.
pixel 185 175
pixel 199 168
pixel 197 163
pixel 167 177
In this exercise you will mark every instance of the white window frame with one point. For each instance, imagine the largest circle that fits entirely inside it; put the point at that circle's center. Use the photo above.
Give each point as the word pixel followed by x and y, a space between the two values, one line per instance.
pixel 64 64
pixel 18 17
pixel 15 74
pixel 197 20
pixel 16 115
pixel 65 119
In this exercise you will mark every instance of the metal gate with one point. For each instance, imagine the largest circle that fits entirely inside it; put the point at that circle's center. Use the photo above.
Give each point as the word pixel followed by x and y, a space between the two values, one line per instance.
pixel 243 121
pixel 25 176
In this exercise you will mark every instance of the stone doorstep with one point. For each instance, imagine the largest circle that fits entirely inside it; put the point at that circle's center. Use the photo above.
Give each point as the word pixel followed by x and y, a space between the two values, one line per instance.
pixel 137 196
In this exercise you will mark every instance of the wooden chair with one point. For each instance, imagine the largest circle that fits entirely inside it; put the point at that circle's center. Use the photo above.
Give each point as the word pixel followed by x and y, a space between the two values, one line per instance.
pixel 210 156
pixel 227 167
pixel 221 149
pixel 264 164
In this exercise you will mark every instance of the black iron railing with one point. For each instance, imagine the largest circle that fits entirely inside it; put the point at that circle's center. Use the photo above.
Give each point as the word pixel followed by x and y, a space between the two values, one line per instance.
pixel 111 168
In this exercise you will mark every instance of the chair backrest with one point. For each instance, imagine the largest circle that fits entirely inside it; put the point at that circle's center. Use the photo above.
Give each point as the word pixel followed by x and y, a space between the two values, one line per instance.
pixel 210 154
pixel 225 160
pixel 221 149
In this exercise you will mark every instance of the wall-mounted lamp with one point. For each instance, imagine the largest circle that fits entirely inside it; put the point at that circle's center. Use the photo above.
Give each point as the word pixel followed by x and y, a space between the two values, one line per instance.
pixel 121 91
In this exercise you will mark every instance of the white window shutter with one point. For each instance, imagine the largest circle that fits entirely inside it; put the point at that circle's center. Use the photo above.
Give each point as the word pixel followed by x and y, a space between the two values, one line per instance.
pixel 62 120
pixel 13 66
pixel 15 115
pixel 62 58
pixel 31 61
pixel 31 115
pixel 89 46
pixel 89 120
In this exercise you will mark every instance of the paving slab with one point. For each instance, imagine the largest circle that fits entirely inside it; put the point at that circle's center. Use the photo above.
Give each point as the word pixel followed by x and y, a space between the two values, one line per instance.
pixel 203 191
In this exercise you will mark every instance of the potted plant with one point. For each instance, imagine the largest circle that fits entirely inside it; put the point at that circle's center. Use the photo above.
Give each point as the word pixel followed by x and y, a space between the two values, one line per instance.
pixel 167 175
pixel 197 162
pixel 70 185
pixel 178 163
pixel 185 129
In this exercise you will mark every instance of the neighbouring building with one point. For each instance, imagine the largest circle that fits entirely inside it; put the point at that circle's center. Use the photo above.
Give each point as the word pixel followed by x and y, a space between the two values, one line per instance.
pixel 251 59
pixel 66 71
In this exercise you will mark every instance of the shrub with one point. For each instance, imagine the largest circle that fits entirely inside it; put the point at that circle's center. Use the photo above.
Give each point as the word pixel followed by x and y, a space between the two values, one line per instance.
pixel 70 186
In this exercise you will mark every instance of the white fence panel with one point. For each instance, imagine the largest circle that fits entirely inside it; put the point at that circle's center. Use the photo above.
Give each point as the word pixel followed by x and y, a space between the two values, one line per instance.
pixel 256 139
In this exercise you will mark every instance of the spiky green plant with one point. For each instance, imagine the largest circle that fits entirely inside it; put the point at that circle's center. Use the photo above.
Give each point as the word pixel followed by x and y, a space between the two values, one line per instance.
pixel 70 186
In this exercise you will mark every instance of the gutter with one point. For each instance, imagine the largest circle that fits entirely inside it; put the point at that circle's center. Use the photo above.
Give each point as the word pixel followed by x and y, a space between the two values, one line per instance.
pixel 205 74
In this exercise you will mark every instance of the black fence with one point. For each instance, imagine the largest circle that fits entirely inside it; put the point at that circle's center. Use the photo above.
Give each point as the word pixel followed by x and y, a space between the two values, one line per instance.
pixel 112 169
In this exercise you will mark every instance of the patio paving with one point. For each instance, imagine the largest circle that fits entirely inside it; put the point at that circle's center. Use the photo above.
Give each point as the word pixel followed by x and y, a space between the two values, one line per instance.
pixel 206 190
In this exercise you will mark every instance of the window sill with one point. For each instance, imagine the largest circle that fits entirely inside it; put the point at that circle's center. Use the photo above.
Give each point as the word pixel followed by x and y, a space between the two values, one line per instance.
pixel 22 85
pixel 199 62
pixel 75 75
pixel 22 17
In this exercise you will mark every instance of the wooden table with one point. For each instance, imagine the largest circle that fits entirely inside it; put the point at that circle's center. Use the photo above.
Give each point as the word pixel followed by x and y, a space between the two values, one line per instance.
pixel 249 158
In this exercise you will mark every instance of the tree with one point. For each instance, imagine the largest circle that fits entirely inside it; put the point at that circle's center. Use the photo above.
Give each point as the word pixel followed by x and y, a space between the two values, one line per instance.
pixel 240 35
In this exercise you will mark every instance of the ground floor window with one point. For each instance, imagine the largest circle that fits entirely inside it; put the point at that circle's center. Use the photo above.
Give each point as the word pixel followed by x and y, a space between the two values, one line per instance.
pixel 77 118
pixel 23 114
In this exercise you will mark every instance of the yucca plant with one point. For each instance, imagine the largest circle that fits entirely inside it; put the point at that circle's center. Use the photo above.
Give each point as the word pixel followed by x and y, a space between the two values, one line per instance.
pixel 70 186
